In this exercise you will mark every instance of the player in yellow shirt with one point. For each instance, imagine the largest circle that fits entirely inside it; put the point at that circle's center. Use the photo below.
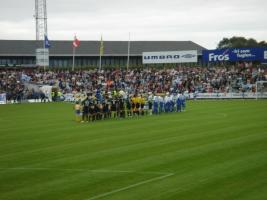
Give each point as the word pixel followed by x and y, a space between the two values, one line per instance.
pixel 138 104
pixel 142 104
pixel 134 102
pixel 78 108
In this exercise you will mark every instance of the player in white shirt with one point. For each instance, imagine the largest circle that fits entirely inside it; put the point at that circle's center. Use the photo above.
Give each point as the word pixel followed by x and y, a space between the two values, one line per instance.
pixel 179 103
pixel 155 105
pixel 161 104
pixel 150 102
pixel 167 103
pixel 183 101
pixel 171 103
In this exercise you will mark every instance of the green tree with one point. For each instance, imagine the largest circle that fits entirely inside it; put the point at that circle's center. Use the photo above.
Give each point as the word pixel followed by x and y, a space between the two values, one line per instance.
pixel 239 42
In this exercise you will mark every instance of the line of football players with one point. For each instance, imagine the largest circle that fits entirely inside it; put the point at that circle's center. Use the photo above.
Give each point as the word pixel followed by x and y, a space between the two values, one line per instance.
pixel 97 107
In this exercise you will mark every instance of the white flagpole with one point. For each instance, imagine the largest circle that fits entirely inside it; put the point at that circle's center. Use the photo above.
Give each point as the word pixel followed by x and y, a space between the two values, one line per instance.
pixel 44 51
pixel 100 55
pixel 128 55
pixel 73 59
pixel 100 61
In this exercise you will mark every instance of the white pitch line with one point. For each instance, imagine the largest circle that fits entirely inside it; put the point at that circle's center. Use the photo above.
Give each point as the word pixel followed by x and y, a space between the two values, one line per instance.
pixel 85 170
pixel 164 175
pixel 129 187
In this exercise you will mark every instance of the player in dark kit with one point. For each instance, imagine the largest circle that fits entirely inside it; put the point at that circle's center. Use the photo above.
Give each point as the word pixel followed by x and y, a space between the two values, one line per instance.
pixel 121 110
pixel 114 108
pixel 99 108
pixel 106 110
pixel 129 107
pixel 85 116
pixel 142 105
pixel 94 112
pixel 91 112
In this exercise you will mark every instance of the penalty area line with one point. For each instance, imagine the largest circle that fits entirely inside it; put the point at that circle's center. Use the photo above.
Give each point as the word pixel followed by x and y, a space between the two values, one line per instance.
pixel 130 186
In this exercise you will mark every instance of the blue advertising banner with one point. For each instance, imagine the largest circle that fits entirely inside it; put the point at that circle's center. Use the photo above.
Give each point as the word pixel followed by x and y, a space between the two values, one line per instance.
pixel 235 54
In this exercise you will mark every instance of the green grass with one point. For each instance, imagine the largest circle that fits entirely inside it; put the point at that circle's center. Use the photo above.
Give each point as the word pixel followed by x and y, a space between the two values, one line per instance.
pixel 214 150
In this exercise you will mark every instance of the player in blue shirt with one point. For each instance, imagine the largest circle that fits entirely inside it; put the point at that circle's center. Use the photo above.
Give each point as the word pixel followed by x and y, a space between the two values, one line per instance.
pixel 161 104
pixel 179 103
pixel 155 105
pixel 183 102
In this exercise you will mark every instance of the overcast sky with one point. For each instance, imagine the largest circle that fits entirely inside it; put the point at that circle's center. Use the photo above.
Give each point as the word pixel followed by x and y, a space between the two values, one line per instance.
pixel 205 22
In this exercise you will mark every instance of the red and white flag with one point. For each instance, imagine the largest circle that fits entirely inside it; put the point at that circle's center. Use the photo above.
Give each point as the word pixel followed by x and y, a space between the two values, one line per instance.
pixel 76 42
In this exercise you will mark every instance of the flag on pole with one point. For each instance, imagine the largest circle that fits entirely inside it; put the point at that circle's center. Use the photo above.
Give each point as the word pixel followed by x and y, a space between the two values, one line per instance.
pixel 47 42
pixel 76 42
pixel 101 50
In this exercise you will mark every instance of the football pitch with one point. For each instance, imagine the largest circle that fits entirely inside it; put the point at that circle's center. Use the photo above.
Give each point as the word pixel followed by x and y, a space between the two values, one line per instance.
pixel 214 150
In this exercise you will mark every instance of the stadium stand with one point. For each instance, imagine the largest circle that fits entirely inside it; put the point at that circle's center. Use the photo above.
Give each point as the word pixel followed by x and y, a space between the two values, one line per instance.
pixel 21 84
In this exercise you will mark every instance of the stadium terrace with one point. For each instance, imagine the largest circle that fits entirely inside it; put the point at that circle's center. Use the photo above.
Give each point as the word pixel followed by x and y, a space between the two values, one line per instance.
pixel 24 84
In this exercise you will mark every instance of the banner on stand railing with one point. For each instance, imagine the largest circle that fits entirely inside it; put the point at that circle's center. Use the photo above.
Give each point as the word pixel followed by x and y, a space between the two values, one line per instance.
pixel 170 57
pixel 241 95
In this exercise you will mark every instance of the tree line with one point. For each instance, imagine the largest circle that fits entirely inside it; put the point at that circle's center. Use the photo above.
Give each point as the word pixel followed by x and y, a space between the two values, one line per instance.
pixel 240 42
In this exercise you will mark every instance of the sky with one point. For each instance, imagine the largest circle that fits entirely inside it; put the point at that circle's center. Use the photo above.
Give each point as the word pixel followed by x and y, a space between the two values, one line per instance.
pixel 204 22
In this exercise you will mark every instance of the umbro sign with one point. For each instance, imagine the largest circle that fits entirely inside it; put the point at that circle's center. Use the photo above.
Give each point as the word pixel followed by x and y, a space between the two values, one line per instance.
pixel 170 57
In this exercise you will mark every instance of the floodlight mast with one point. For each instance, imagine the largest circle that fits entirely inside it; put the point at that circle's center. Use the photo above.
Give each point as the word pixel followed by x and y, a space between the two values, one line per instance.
pixel 40 19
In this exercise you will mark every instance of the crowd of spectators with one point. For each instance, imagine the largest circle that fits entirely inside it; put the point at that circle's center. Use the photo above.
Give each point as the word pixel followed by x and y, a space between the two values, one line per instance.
pixel 178 79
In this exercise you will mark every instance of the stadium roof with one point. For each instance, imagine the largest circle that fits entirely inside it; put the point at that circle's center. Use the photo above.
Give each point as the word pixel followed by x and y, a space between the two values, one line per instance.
pixel 91 48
